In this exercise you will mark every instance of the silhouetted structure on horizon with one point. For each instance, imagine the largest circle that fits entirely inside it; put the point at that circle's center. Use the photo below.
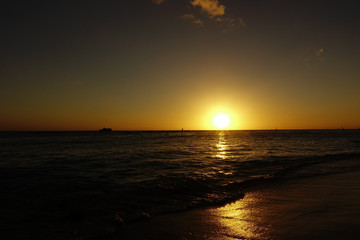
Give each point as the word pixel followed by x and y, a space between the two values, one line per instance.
pixel 105 130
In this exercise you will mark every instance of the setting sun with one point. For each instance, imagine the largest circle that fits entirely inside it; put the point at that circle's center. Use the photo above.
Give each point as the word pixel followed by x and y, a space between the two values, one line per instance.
pixel 221 121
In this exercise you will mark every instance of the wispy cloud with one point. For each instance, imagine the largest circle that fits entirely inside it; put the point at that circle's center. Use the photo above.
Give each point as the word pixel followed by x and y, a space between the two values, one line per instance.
pixel 158 2
pixel 318 55
pixel 231 24
pixel 215 11
pixel 193 19
pixel 212 10
pixel 211 7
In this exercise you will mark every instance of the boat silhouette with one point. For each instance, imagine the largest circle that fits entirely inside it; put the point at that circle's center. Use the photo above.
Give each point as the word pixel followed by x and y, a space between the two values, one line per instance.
pixel 105 130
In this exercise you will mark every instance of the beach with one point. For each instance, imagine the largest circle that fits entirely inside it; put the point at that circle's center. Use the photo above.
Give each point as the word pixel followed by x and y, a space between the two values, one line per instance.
pixel 321 207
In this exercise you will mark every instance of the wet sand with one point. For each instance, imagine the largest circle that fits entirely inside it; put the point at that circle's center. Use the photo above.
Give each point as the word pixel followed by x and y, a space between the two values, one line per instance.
pixel 323 207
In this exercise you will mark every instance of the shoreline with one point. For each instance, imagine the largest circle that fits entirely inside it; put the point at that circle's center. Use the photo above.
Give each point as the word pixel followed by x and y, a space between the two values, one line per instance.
pixel 319 207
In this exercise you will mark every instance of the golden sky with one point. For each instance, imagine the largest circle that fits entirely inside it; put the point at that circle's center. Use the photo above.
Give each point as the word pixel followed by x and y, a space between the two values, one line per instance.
pixel 167 65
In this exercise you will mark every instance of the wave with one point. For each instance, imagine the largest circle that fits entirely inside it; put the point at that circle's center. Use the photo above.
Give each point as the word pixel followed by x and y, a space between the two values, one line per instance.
pixel 121 178
pixel 181 192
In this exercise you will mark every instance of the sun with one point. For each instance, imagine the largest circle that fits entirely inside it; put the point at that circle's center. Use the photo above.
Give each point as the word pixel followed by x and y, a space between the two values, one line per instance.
pixel 221 121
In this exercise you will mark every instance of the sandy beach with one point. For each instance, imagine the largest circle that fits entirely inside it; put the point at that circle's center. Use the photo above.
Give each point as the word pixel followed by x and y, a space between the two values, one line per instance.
pixel 322 207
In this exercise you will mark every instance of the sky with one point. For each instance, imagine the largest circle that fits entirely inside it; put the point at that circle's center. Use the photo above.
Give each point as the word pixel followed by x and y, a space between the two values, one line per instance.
pixel 173 64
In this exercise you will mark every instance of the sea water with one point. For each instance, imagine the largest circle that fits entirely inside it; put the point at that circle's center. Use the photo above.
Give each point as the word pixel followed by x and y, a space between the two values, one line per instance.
pixel 68 185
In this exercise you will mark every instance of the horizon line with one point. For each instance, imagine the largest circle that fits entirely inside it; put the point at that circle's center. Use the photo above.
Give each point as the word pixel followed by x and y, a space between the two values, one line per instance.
pixel 188 130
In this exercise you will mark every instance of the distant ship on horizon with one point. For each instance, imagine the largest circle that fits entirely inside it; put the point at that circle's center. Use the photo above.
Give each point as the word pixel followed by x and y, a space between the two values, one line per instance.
pixel 105 130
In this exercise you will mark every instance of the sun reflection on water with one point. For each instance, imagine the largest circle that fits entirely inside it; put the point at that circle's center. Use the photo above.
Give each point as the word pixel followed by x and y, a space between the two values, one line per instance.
pixel 240 220
pixel 221 146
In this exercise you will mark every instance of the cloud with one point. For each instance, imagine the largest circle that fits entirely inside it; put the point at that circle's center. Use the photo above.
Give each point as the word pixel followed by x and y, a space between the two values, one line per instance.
pixel 211 7
pixel 214 11
pixel 320 52
pixel 158 2
pixel 231 24
pixel 241 22
pixel 318 55
pixel 192 18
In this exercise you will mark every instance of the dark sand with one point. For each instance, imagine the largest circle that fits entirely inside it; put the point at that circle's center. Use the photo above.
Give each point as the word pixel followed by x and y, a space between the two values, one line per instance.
pixel 323 207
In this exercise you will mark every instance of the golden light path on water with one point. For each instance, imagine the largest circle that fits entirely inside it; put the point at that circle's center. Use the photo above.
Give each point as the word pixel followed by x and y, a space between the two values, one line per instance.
pixel 221 146
pixel 269 210
pixel 241 219
pixel 221 153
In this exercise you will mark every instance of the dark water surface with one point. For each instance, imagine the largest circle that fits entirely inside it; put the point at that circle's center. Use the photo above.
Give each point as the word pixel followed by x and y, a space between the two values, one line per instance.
pixel 73 185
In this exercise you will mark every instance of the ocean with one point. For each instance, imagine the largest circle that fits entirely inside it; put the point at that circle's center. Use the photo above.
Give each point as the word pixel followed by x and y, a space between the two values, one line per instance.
pixel 82 185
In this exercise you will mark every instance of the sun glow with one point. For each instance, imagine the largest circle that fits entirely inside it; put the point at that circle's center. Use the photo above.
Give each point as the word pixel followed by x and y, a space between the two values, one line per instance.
pixel 221 121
